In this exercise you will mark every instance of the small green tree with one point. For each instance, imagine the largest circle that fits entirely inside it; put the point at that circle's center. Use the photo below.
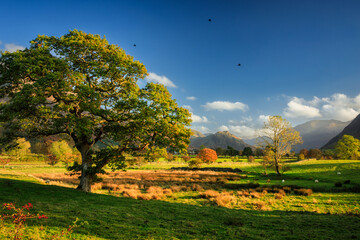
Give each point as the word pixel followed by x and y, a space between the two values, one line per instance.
pixel 63 152
pixel 315 153
pixel 304 152
pixel 301 156
pixel 348 147
pixel 20 150
pixel 247 152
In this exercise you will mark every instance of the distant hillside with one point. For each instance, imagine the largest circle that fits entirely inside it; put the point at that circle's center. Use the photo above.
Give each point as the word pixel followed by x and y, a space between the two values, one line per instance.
pixel 219 139
pixel 195 134
pixel 317 132
pixel 352 129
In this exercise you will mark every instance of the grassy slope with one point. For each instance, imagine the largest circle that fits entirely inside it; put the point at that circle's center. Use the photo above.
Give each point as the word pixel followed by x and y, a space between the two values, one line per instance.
pixel 112 217
pixel 123 218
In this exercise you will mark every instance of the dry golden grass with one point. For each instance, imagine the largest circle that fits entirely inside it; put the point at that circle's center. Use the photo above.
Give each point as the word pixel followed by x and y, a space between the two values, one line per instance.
pixel 192 180
pixel 261 205
pixel 208 194
pixel 303 192
pixel 131 193
pixel 224 200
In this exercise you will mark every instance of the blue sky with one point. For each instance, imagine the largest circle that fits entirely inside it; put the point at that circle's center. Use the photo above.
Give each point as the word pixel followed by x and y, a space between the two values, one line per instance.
pixel 299 59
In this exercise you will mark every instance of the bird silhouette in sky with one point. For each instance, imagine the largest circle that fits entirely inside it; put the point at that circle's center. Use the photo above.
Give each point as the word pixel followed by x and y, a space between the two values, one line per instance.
pixel 134 45
pixel 239 65
pixel 209 20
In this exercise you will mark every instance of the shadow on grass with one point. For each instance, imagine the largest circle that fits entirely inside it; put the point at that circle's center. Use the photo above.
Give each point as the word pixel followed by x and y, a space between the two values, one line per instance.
pixel 113 217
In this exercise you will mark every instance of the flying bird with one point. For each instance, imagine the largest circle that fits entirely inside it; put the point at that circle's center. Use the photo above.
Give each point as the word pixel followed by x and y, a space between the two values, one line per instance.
pixel 134 45
pixel 209 20
pixel 239 65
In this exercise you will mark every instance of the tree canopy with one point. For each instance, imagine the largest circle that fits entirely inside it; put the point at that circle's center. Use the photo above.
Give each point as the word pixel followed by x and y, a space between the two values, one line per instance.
pixel 348 147
pixel 279 136
pixel 80 85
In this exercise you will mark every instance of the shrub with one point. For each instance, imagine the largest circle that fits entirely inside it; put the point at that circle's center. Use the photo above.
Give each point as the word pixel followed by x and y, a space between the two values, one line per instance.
pixel 195 163
pixel 96 186
pixel 132 193
pixel 207 155
pixel 145 196
pixel 208 194
pixel 170 157
pixel 196 188
pixel 224 200
pixel 51 160
pixel 251 159
pixel 282 192
pixel 255 195
pixel 301 156
pixel 186 158
pixel 303 192
pixel 278 196
pixel 347 182
pixel 4 160
pixel 261 205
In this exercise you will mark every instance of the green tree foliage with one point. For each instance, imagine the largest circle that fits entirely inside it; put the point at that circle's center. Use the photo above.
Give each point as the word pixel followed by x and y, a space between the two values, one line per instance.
pixel 220 151
pixel 280 137
pixel 155 153
pixel 304 152
pixel 315 153
pixel 348 147
pixel 329 154
pixel 84 87
pixel 19 150
pixel 63 152
pixel 247 152
pixel 230 151
pixel 301 156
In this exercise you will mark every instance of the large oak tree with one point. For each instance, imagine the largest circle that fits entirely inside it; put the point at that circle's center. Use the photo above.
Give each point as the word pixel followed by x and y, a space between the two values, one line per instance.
pixel 81 85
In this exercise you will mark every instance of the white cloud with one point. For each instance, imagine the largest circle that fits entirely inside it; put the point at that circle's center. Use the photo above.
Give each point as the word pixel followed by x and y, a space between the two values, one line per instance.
pixel 198 119
pixel 201 129
pixel 297 109
pixel 153 77
pixel 191 98
pixel 188 107
pixel 243 131
pixel 263 118
pixel 11 47
pixel 338 106
pixel 223 128
pixel 244 120
pixel 226 106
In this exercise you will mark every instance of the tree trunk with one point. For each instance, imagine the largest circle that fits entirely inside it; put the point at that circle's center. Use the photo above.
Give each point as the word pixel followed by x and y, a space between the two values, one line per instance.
pixel 277 167
pixel 85 178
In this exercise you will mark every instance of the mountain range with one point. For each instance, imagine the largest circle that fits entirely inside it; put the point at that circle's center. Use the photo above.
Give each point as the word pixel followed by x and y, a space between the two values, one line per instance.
pixel 219 139
pixel 315 134
pixel 352 129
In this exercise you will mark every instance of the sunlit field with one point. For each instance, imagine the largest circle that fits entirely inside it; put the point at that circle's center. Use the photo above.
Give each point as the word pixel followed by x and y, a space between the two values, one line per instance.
pixel 313 199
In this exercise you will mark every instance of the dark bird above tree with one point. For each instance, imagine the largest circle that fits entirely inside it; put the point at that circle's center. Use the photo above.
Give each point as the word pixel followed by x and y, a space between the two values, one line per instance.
pixel 134 45
pixel 239 65
pixel 209 20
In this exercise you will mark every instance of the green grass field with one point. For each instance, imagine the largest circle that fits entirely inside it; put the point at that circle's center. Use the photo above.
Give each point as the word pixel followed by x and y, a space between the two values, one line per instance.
pixel 329 213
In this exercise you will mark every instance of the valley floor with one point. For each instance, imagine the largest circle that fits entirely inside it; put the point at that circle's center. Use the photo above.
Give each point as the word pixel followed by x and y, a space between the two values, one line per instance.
pixel 312 200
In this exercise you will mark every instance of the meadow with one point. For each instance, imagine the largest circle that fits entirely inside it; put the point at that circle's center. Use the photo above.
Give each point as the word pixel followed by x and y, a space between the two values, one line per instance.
pixel 313 199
